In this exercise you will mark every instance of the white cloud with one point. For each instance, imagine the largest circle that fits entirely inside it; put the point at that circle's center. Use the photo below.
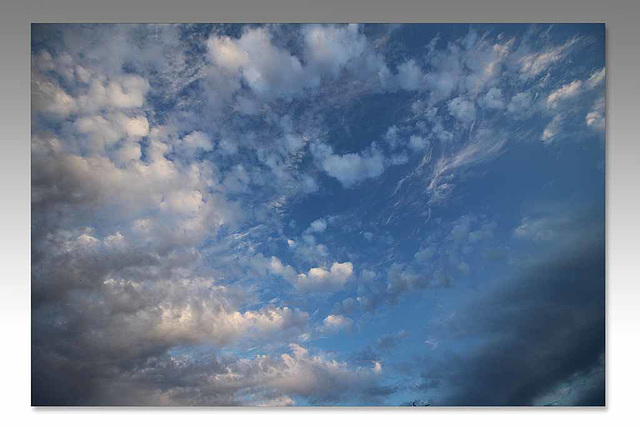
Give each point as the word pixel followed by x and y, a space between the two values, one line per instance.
pixel 104 131
pixel 520 103
pixel 418 143
pixel 121 92
pixel 482 147
pixel 565 92
pixel 337 322
pixel 534 64
pixel 351 168
pixel 462 109
pixel 493 99
pixel 392 137
pixel 318 226
pixel 329 48
pixel 552 129
pixel 410 76
pixel 596 117
pixel 596 79
pixel 197 141
pixel 269 70
pixel 321 279
pixel 49 98
pixel 315 377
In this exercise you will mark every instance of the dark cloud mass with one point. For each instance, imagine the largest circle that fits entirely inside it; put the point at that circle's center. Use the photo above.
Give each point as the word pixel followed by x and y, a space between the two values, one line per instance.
pixel 539 331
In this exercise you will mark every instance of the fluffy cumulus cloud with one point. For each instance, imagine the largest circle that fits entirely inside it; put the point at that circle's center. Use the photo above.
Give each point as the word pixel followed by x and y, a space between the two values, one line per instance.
pixel 325 279
pixel 462 109
pixel 350 168
pixel 286 214
pixel 337 322
pixel 269 70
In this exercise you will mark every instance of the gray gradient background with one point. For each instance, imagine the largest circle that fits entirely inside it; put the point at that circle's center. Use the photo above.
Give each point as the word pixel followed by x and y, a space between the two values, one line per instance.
pixel 623 198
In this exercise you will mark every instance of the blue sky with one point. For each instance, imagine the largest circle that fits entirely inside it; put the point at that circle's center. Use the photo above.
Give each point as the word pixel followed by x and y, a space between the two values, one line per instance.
pixel 318 214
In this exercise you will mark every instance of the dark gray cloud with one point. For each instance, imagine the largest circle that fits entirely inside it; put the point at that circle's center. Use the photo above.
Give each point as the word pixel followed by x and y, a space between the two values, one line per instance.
pixel 538 332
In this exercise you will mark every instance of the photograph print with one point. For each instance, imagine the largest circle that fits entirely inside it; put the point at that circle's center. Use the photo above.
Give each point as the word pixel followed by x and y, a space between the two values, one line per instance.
pixel 318 215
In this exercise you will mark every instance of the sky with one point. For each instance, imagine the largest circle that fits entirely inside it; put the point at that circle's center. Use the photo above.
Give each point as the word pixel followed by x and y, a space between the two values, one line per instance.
pixel 284 214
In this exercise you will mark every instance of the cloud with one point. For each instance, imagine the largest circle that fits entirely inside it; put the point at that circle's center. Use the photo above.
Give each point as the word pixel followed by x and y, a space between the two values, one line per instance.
pixel 565 92
pixel 317 226
pixel 49 98
pixel 169 168
pixel 418 143
pixel 492 99
pixel 410 76
pixel 329 48
pixel 534 64
pixel 196 141
pixel 545 228
pixel 596 79
pixel 596 117
pixel 127 91
pixel 552 129
pixel 323 280
pixel 541 329
pixel 482 147
pixel 520 103
pixel 210 380
pixel 462 109
pixel 337 322
pixel 351 168
pixel 270 71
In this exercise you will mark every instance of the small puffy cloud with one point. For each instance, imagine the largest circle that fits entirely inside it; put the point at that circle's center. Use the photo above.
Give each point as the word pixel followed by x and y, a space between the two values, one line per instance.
pixel 596 79
pixel 392 136
pixel 127 92
pixel 49 98
pixel 321 279
pixel 328 48
pixel 318 226
pixel 103 131
pixel 595 118
pixel 410 76
pixel 275 266
pixel 492 100
pixel 137 127
pixel 462 109
pixel 565 92
pixel 520 103
pixel 197 141
pixel 120 93
pixel 552 129
pixel 337 322
pixel 418 143
pixel 270 71
pixel 351 168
